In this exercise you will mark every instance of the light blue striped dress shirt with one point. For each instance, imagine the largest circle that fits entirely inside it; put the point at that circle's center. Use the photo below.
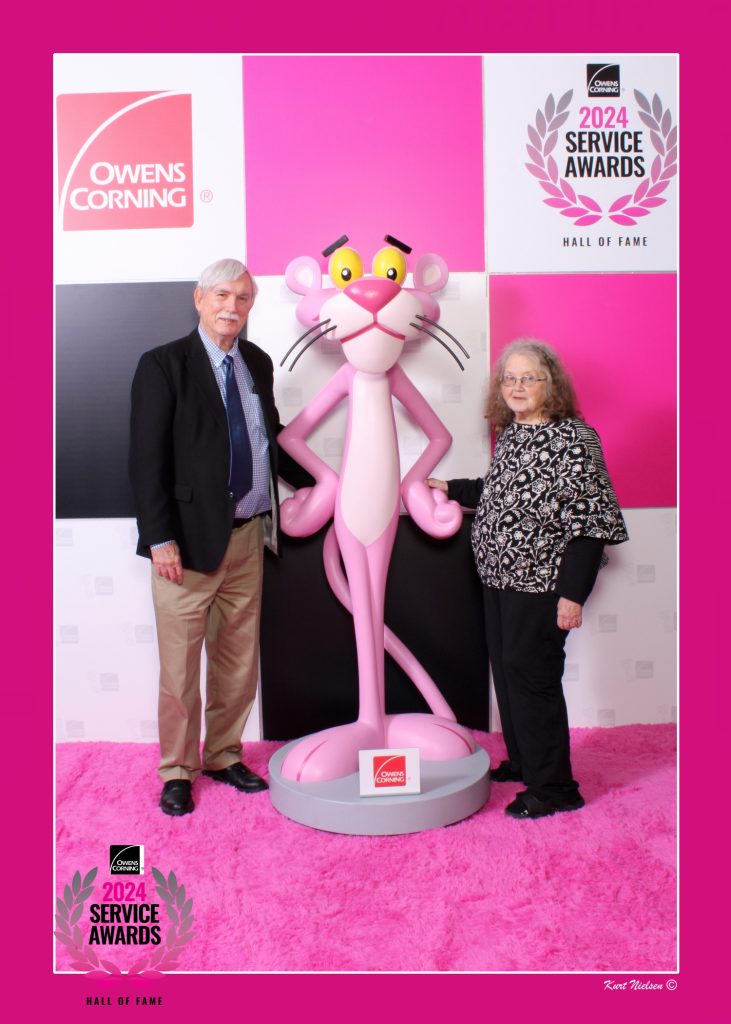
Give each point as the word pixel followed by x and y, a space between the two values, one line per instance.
pixel 258 499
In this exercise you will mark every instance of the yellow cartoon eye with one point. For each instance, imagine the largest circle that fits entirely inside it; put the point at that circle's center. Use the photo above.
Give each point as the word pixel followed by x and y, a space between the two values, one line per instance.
pixel 345 266
pixel 390 263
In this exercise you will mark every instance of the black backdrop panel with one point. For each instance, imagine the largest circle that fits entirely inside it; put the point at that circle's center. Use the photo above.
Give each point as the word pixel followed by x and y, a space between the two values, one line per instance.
pixel 101 332
pixel 433 604
pixel 309 675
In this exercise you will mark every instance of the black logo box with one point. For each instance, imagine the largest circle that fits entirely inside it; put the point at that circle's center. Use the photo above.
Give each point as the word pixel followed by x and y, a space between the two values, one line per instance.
pixel 126 860
pixel 602 79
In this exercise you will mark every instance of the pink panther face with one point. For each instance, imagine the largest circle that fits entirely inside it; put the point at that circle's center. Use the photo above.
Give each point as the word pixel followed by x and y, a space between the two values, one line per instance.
pixel 371 314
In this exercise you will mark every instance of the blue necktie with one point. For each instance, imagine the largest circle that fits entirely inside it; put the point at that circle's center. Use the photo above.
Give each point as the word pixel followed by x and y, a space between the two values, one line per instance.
pixel 241 471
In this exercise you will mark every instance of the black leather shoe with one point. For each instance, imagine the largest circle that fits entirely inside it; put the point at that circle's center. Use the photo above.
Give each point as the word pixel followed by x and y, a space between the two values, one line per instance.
pixel 176 797
pixel 526 805
pixel 505 772
pixel 240 776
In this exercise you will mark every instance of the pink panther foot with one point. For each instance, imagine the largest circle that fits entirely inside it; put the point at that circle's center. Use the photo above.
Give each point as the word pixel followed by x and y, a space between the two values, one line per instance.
pixel 331 753
pixel 438 739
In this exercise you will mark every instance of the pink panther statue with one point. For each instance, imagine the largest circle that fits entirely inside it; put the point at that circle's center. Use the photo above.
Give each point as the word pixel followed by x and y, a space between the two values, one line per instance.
pixel 372 315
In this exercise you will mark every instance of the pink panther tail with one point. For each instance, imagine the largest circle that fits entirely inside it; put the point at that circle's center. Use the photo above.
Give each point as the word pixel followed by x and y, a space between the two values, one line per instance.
pixel 399 652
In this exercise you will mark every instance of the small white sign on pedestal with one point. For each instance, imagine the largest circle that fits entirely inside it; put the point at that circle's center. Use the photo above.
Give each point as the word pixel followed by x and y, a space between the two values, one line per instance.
pixel 389 772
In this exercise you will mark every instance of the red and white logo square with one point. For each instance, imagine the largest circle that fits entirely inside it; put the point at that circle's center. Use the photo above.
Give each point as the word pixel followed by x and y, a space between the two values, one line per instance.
pixel 125 160
pixel 389 771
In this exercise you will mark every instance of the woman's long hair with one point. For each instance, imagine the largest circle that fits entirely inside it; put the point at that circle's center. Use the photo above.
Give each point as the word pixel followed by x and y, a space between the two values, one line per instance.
pixel 561 401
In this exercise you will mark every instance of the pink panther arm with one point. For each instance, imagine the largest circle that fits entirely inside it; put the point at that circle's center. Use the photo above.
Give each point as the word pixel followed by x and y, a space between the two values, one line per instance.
pixel 311 507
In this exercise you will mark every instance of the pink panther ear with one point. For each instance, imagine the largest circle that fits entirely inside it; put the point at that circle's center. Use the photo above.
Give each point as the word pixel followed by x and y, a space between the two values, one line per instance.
pixel 431 273
pixel 303 275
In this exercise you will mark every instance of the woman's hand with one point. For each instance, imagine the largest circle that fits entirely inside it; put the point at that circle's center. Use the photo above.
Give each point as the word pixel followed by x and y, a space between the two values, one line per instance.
pixel 569 614
pixel 438 485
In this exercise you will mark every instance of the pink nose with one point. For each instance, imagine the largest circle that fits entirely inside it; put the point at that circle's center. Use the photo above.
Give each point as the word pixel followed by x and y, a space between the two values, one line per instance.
pixel 373 293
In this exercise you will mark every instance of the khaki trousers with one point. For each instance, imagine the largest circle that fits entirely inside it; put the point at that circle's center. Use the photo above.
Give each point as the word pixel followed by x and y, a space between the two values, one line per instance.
pixel 223 608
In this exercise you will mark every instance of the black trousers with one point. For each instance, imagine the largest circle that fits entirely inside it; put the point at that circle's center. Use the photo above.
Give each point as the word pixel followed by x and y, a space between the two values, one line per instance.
pixel 526 650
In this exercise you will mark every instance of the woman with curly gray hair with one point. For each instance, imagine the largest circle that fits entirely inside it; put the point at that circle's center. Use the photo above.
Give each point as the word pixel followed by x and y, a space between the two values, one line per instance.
pixel 545 510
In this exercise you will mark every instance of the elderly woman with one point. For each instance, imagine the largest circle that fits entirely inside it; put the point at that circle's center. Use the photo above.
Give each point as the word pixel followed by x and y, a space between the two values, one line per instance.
pixel 545 510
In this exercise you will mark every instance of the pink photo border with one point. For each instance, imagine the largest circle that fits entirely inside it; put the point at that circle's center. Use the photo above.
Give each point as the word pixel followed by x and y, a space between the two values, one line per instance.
pixel 28 425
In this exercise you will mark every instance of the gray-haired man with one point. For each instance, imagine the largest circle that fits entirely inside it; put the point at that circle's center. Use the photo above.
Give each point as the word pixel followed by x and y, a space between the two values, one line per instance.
pixel 203 464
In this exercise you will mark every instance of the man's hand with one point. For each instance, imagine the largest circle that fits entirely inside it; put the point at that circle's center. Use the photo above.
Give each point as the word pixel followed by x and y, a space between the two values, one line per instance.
pixel 569 614
pixel 166 562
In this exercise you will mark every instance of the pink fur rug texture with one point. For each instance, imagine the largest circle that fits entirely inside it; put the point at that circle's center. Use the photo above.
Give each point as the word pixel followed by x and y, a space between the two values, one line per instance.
pixel 591 890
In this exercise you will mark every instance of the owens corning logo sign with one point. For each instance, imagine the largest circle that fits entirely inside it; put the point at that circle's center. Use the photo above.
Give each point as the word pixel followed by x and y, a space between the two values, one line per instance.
pixel 125 160
pixel 389 771
pixel 126 860
pixel 602 79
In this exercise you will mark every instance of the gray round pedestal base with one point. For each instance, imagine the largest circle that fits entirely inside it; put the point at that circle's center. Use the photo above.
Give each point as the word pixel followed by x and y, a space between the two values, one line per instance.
pixel 450 791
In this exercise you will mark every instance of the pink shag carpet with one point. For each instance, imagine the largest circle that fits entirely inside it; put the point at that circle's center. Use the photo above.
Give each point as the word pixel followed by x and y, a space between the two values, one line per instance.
pixel 593 890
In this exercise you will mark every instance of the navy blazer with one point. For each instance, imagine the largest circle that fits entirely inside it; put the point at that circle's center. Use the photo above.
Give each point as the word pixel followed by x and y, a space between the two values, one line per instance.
pixel 179 450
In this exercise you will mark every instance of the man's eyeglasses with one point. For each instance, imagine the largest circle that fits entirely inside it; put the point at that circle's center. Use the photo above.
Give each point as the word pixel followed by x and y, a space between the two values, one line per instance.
pixel 527 380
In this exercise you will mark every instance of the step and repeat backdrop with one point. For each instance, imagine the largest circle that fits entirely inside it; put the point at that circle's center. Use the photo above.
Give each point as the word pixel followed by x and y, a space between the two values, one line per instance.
pixel 547 185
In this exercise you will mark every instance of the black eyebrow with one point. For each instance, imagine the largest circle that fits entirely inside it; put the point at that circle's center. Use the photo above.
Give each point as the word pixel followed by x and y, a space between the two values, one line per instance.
pixel 335 245
pixel 398 245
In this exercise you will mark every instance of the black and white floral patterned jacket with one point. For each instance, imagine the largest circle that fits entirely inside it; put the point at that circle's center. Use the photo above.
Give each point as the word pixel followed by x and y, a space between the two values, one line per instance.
pixel 547 484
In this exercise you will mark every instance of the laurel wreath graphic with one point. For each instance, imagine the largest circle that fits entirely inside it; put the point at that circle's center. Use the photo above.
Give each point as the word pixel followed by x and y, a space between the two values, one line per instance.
pixel 582 209
pixel 179 911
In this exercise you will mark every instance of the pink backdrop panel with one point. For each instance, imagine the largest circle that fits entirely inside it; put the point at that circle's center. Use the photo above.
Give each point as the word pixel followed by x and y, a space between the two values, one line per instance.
pixel 363 146
pixel 617 336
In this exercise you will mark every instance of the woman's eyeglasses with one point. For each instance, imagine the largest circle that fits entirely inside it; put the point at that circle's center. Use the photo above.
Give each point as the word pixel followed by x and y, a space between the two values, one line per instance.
pixel 527 380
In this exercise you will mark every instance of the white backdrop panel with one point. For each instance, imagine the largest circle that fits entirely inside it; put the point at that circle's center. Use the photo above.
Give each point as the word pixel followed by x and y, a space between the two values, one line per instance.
pixel 524 235
pixel 215 84
pixel 621 665
pixel 458 398
pixel 106 646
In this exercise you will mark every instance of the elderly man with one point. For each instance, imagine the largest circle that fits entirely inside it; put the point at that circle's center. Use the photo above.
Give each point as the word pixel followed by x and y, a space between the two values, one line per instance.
pixel 203 465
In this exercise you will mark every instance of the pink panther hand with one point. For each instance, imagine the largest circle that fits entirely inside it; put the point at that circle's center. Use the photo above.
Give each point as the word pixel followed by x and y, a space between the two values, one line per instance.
pixel 309 508
pixel 430 509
